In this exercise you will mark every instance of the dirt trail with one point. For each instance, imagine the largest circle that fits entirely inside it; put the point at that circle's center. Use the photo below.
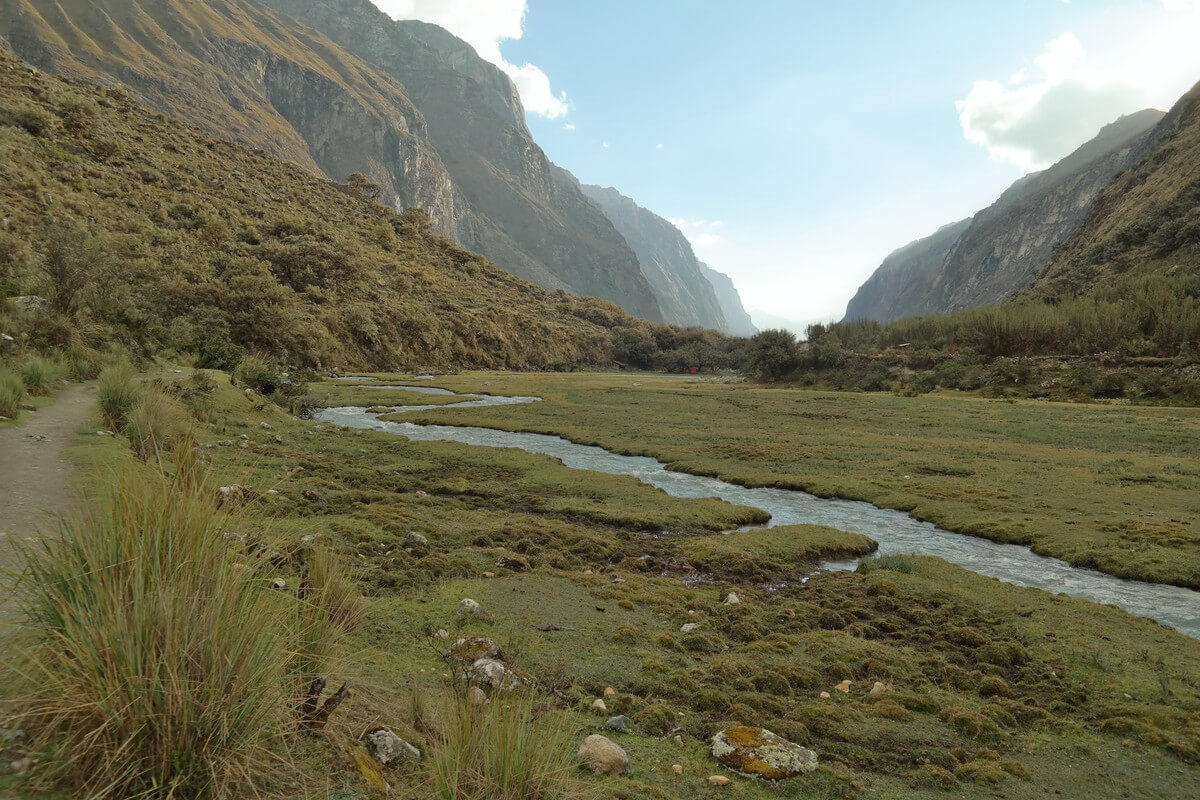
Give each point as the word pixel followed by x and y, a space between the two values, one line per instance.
pixel 35 476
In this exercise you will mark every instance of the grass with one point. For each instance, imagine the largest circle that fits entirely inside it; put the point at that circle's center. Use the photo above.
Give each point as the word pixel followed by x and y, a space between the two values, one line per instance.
pixel 116 393
pixel 772 552
pixel 12 393
pixel 39 373
pixel 156 423
pixel 1107 487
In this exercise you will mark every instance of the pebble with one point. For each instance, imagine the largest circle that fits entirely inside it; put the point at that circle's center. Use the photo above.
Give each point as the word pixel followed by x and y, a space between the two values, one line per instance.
pixel 825 695
pixel 609 691
pixel 599 705
pixel 677 769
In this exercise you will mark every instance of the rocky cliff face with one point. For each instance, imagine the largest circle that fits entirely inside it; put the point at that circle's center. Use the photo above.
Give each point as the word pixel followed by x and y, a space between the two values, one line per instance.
pixel 248 75
pixel 737 321
pixel 516 212
pixel 1004 246
pixel 674 273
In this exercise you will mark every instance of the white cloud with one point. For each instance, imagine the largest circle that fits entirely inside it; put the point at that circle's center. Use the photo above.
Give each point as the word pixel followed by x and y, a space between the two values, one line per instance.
pixel 485 24
pixel 1046 109
pixel 570 126
pixel 605 145
pixel 700 232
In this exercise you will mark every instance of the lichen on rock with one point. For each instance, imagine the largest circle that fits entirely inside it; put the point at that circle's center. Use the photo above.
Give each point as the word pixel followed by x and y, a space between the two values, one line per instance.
pixel 758 753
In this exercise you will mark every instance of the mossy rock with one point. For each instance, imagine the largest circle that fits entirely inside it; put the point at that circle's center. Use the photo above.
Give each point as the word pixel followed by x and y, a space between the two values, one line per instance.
pixel 758 753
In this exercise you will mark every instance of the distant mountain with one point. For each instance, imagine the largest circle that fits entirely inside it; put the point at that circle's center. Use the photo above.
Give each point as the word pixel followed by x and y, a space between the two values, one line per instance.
pixel 676 276
pixel 1145 224
pixel 407 104
pixel 737 320
pixel 1003 248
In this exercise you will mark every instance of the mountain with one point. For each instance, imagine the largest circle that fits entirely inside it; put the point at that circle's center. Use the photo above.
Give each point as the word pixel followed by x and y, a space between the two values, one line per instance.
pixel 517 214
pixel 1003 248
pixel 406 104
pixel 674 273
pixel 150 232
pixel 1145 225
pixel 737 320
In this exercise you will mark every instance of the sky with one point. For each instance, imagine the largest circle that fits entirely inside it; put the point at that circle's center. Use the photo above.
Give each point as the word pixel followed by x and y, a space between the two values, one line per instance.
pixel 797 143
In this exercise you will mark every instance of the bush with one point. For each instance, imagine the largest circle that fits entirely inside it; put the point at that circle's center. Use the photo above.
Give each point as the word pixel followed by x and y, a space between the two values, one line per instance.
pixel 219 354
pixel 156 423
pixel 39 373
pixel 12 392
pixel 504 752
pixel 116 392
pixel 257 373
pixel 145 580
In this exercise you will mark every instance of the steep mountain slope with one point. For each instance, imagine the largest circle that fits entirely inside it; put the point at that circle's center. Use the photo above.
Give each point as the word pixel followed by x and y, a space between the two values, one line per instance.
pixel 518 214
pixel 249 75
pixel 1147 223
pixel 1006 245
pixel 434 128
pixel 900 286
pixel 143 230
pixel 683 292
pixel 737 320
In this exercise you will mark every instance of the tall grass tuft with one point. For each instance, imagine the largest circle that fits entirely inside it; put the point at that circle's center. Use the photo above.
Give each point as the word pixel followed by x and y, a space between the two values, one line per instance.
pixel 116 392
pixel 329 607
pixel 504 752
pixel 156 663
pixel 156 423
pixel 39 372
pixel 12 392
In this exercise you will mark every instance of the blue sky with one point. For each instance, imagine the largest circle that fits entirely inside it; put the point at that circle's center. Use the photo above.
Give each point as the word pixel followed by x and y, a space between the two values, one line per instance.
pixel 798 143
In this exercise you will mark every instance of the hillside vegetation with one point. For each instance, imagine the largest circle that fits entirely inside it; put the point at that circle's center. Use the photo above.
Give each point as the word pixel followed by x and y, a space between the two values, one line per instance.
pixel 140 230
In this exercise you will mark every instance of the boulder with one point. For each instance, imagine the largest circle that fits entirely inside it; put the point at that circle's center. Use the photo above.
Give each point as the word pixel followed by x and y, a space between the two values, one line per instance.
pixel 389 748
pixel 477 698
pixel 473 648
pixel 416 541
pixel 731 599
pixel 688 627
pixel 490 673
pixel 758 753
pixel 603 756
pixel 469 606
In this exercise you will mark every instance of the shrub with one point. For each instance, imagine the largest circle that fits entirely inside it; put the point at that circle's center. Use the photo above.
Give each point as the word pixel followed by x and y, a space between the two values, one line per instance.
pixel 38 373
pixel 222 354
pixel 12 392
pixel 505 752
pixel 257 373
pixel 155 424
pixel 116 393
pixel 145 580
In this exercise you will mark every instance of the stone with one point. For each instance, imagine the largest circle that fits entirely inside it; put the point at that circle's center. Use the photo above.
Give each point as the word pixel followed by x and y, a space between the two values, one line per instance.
pixel 266 426
pixel 477 698
pixel 878 686
pixel 416 541
pixel 442 633
pixel 469 606
pixel 718 780
pixel 603 756
pixel 473 648
pixel 844 686
pixel 758 753
pixel 279 583
pixel 389 748
pixel 609 691
pixel 618 723
pixel 825 695
pixel 689 627
pixel 677 769
pixel 599 705
pixel 731 599
pixel 493 674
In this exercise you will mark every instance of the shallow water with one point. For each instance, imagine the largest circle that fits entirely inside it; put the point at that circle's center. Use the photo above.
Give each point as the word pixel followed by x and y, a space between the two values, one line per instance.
pixel 896 532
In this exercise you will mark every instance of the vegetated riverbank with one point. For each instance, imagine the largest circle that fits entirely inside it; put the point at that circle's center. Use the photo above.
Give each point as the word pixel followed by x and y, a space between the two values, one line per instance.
pixel 1106 487
pixel 985 687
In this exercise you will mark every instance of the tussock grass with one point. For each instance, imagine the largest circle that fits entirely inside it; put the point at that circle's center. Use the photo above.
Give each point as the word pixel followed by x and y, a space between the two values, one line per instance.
pixel 156 423
pixel 116 393
pixel 39 372
pixel 12 392
pixel 155 660
pixel 505 752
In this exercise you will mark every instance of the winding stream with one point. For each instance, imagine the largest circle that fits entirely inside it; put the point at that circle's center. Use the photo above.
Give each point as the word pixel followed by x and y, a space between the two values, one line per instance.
pixel 896 532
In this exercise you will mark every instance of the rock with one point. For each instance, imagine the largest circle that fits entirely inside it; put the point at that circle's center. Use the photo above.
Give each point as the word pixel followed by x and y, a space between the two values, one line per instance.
pixel 477 698
pixel 473 648
pixel 758 753
pixel 22 766
pixel 30 302
pixel 387 747
pixel 718 780
pixel 266 426
pixel 844 686
pixel 469 606
pixel 416 541
pixel 489 574
pixel 731 599
pixel 493 674
pixel 825 695
pixel 442 633
pixel 310 537
pixel 599 705
pixel 620 723
pixel 677 769
pixel 879 686
pixel 279 583
pixel 689 627
pixel 603 756
pixel 422 493
pixel 679 740
pixel 609 691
